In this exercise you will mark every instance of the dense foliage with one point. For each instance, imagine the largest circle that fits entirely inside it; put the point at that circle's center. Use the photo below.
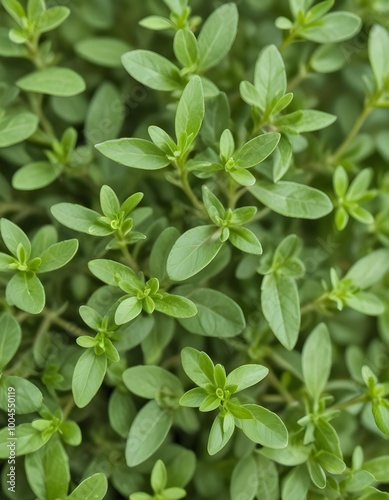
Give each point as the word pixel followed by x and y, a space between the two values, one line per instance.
pixel 194 260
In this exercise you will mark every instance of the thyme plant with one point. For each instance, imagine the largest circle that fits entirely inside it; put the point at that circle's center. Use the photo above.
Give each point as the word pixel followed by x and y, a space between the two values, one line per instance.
pixel 194 263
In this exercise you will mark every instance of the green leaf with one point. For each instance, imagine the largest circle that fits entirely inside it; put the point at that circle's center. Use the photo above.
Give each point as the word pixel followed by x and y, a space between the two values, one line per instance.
pixel 53 81
pixel 217 314
pixel 328 58
pixel 185 48
pixel 112 272
pixel 193 251
pixel 266 428
pixel 360 480
pixel 109 201
pixel 244 480
pixel 206 366
pixel 149 381
pixel 282 158
pixel 296 484
pixel 11 336
pixel 381 415
pixel 28 438
pixel 70 433
pixel 269 78
pixel 281 308
pixel 378 467
pixel 331 463
pixel 319 10
pixel 217 36
pixel 216 119
pixel 147 433
pixel 135 153
pixel 292 455
pixel 292 200
pixel 87 377
pixel 369 270
pixel 226 145
pixel 287 251
pixel 174 493
pixel 359 185
pixel 160 252
pixel 175 306
pixel 26 292
pixel 152 70
pixel 16 128
pixel 242 176
pixel 28 398
pixel 194 397
pixel 366 303
pixel 333 28
pixel 9 48
pixel 316 360
pixel 121 412
pixel 75 216
pixel 162 139
pixel 139 495
pixel 326 437
pixel 12 236
pixel 340 181
pixel 47 471
pixel 306 120
pixel 221 432
pixel 245 240
pixel 5 261
pixel 297 6
pixel 127 310
pixel 52 18
pixel 176 6
pixel 190 364
pixel 378 54
pixel 256 150
pixel 317 474
pixel 361 215
pixel 246 376
pixel 190 111
pixel 268 479
pixel 14 9
pixel 213 205
pixel 341 218
pixel 35 8
pixel 42 239
pixel 36 175
pixel 92 488
pixel 105 115
pixel 250 95
pixel 158 478
pixel 102 51
pixel 156 23
pixel 58 255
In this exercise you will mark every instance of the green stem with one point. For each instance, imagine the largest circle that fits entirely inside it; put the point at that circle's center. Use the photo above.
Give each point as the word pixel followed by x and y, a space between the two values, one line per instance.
pixel 66 325
pixel 368 108
pixel 67 409
pixel 232 193
pixel 261 214
pixel 129 259
pixel 303 73
pixel 313 306
pixel 288 40
pixel 186 187
pixel 36 105
pixel 20 208
pixel 280 388
pixel 351 402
